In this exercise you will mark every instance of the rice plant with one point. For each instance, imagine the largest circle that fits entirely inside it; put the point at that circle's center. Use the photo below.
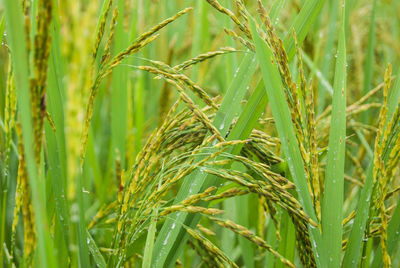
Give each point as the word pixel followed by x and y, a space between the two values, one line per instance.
pixel 207 133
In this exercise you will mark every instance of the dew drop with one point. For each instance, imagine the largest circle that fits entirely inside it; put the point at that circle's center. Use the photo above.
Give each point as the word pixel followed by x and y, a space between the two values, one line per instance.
pixel 166 239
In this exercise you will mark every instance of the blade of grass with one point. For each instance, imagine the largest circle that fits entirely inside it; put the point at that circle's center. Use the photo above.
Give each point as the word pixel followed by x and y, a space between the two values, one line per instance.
pixel 243 215
pixel 200 34
pixel 334 176
pixel 322 78
pixel 394 97
pixel 248 118
pixel 287 243
pixel 281 113
pixel 82 238
pixel 57 178
pixel 353 248
pixel 276 9
pixel 301 25
pixel 327 58
pixel 272 240
pixel 230 65
pixel 148 249
pixel 368 65
pixel 2 28
pixel 119 99
pixel 56 141
pixel 94 250
pixel 93 162
pixel 56 89
pixel 13 14
pixel 139 111
pixel 369 60
pixel 231 61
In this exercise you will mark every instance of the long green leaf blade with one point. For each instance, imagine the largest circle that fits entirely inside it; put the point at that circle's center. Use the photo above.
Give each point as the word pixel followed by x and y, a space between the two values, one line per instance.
pixel 302 24
pixel 334 176
pixel 148 249
pixel 328 54
pixel 94 250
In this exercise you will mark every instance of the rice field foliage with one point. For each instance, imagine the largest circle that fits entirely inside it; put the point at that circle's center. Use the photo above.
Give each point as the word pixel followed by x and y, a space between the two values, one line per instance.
pixel 208 133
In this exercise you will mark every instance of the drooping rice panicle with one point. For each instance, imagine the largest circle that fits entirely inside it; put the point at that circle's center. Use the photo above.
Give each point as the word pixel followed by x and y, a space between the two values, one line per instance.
pixel 101 29
pixel 210 247
pixel 379 166
pixel 205 230
pixel 202 57
pixel 168 72
pixel 241 40
pixel 140 42
pixel 9 125
pixel 41 54
pixel 23 200
pixel 250 236
pixel 107 49
pixel 232 16
pixel 191 209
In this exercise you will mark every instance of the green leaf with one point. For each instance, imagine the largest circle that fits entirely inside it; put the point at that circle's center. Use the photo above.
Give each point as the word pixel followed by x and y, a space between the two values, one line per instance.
pixel 2 28
pixel 94 250
pixel 334 176
pixel 119 94
pixel 368 65
pixel 57 180
pixel 148 249
pixel 328 55
pixel 302 24
pixel 82 234
pixel 287 244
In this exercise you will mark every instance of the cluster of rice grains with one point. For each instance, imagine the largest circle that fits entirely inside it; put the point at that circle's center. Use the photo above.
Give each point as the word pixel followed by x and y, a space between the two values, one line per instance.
pixel 169 155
